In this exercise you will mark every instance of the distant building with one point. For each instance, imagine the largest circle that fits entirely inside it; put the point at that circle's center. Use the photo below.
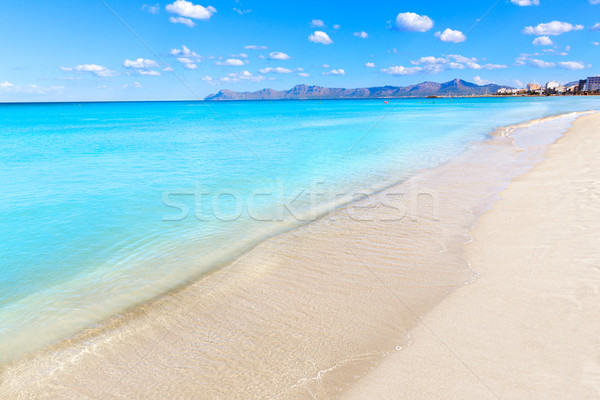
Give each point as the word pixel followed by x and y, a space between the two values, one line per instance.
pixel 504 91
pixel 552 85
pixel 533 87
pixel 561 89
pixel 593 83
pixel 582 85
pixel 573 88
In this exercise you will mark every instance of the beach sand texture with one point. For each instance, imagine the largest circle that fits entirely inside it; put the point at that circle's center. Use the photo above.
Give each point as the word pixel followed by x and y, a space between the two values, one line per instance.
pixel 350 304
pixel 529 328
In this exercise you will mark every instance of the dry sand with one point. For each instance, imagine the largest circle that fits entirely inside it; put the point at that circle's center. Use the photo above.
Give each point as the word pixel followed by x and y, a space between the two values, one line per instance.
pixel 529 328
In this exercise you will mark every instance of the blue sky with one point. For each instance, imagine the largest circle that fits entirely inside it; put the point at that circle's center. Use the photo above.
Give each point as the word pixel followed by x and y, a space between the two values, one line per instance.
pixel 67 50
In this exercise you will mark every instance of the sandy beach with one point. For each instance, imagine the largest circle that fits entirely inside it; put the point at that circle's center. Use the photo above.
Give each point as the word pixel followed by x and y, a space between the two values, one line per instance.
pixel 381 299
pixel 529 327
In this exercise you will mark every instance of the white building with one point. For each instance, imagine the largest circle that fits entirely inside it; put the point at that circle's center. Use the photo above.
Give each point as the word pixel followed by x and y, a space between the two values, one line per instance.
pixel 552 85
pixel 593 83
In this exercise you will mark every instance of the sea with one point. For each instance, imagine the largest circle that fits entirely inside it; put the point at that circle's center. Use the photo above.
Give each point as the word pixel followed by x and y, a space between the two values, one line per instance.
pixel 105 206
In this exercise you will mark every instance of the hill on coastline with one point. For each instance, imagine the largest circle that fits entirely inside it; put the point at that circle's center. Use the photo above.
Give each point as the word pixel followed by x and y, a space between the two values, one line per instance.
pixel 456 87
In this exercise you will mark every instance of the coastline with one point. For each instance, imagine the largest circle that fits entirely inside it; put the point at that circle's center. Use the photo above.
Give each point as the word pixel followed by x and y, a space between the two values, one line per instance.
pixel 306 293
pixel 528 327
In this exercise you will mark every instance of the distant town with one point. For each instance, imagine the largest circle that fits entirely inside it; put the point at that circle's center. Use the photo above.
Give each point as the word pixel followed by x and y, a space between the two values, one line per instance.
pixel 589 86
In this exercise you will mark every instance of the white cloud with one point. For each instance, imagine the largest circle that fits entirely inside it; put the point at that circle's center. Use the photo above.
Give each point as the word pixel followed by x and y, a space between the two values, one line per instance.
pixel 336 26
pixel 526 2
pixel 152 9
pixel 543 41
pixel 571 65
pixel 493 66
pixel 370 65
pixel 594 1
pixel 6 85
pixel 541 63
pixel 320 37
pixel 184 50
pixel 361 34
pixel 242 12
pixel 450 35
pixel 149 72
pixel 552 28
pixel 481 82
pixel 400 70
pixel 303 74
pixel 277 70
pixel 255 47
pixel 325 65
pixel 596 43
pixel 239 76
pixel 97 70
pixel 429 60
pixel 187 57
pixel 234 62
pixel 134 85
pixel 335 72
pixel 452 61
pixel 596 27
pixel 412 22
pixel 209 80
pixel 527 59
pixel 277 55
pixel 29 89
pixel 140 63
pixel 190 10
pixel 180 20
pixel 317 23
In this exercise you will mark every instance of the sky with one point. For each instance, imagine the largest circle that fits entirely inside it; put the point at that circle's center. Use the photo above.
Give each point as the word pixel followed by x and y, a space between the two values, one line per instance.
pixel 99 50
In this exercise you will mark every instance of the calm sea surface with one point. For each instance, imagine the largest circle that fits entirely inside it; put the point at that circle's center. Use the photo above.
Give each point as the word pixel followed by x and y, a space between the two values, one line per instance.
pixel 106 205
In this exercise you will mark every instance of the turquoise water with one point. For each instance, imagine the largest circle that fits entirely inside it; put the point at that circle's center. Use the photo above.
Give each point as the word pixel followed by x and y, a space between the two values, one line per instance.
pixel 105 205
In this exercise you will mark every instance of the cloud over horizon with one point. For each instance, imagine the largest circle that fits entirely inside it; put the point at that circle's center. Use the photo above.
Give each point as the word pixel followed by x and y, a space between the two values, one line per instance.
pixel 435 65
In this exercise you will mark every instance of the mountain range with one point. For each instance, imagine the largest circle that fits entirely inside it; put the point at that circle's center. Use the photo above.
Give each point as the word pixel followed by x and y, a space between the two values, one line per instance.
pixel 456 87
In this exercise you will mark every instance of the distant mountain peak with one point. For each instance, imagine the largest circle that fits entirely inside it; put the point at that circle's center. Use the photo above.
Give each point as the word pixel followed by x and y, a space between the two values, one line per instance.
pixel 455 87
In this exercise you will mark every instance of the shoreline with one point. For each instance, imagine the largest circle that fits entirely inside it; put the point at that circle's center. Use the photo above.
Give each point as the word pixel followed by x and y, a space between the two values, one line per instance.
pixel 254 276
pixel 528 327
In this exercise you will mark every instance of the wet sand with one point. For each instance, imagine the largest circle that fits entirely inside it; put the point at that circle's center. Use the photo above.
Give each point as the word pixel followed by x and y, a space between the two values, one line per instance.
pixel 530 326
pixel 318 312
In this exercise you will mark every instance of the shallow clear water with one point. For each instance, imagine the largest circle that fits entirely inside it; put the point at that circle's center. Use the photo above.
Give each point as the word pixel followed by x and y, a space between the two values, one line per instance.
pixel 105 205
